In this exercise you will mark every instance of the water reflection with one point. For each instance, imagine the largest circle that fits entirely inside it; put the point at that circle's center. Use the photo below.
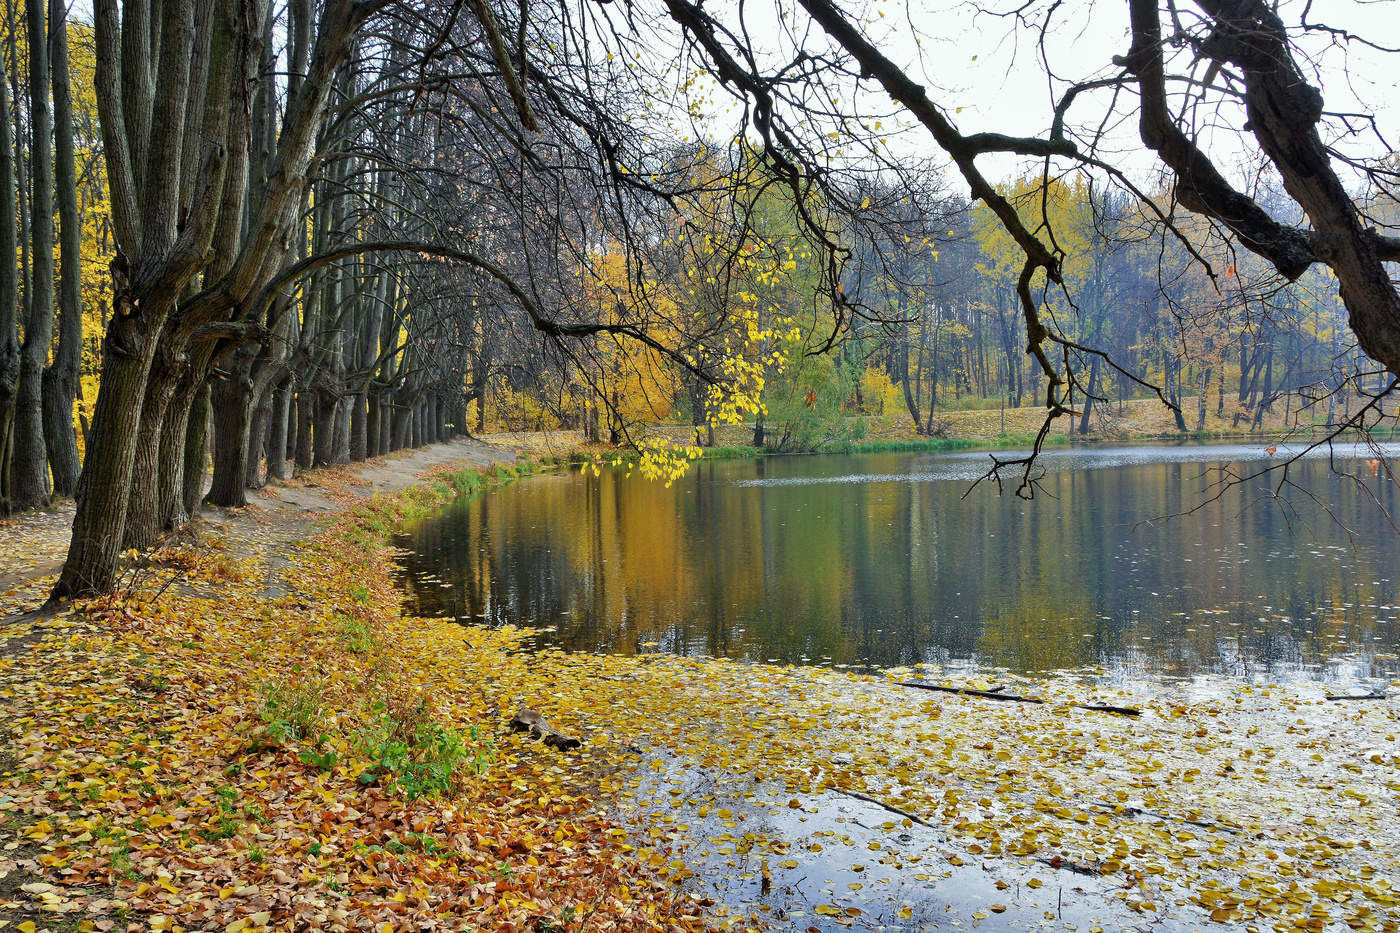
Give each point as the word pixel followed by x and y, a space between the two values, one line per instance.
pixel 880 561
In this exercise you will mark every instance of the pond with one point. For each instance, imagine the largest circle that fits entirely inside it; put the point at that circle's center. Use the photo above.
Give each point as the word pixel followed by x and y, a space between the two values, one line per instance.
pixel 1123 566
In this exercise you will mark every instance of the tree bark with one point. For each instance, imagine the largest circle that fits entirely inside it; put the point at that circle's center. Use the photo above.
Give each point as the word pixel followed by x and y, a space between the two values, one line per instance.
pixel 30 466
pixel 61 378
pixel 196 450
pixel 278 430
pixel 233 418
pixel 257 441
pixel 145 522
pixel 9 292
pixel 104 488
pixel 306 418
pixel 324 438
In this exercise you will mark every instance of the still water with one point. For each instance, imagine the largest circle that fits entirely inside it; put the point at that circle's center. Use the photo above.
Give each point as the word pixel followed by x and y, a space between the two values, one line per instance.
pixel 1121 567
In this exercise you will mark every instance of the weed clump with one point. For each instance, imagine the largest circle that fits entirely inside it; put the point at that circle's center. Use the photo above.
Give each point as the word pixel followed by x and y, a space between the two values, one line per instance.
pixel 416 755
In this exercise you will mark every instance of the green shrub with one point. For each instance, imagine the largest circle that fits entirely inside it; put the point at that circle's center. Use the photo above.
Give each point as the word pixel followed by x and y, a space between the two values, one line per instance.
pixel 416 755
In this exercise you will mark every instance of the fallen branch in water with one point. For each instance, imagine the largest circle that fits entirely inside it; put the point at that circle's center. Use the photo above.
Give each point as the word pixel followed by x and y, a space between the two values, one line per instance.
pixel 993 694
pixel 1119 810
pixel 1105 708
pixel 884 806
pixel 1058 861
pixel 996 694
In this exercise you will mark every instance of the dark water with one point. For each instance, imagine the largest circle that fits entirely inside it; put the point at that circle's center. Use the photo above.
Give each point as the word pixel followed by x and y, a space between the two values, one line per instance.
pixel 887 560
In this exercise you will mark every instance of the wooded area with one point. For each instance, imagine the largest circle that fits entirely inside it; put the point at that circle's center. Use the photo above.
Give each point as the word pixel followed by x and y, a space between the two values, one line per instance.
pixel 270 237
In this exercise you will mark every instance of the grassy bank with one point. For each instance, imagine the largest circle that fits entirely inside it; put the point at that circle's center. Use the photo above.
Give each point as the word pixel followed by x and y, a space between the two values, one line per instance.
pixel 569 447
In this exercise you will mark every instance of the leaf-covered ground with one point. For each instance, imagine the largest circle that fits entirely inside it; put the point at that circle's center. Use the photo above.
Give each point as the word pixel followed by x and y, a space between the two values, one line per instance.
pixel 235 743
pixel 215 758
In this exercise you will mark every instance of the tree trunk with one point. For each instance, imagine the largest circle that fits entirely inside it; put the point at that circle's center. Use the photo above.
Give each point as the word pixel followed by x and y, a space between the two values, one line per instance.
pixel 61 379
pixel 233 417
pixel 277 430
pixel 104 488
pixel 306 416
pixel 911 399
pixel 1089 396
pixel 359 426
pixel 145 521
pixel 170 481
pixel 342 430
pixel 324 439
pixel 196 451
pixel 401 426
pixel 30 465
pixel 374 415
pixel 9 293
pixel 257 441
pixel 1201 401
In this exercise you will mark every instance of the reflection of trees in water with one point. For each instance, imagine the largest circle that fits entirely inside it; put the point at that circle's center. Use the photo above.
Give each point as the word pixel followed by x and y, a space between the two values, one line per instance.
pixel 894 573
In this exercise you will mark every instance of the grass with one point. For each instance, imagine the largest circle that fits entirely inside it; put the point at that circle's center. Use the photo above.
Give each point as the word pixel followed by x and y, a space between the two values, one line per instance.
pixel 417 755
pixel 291 711
pixel 357 635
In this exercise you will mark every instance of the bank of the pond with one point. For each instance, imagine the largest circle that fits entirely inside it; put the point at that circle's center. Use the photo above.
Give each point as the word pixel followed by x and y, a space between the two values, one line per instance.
pixel 252 736
pixel 568 447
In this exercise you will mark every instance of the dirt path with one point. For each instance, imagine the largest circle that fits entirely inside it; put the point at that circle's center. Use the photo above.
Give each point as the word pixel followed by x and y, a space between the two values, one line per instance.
pixel 33 545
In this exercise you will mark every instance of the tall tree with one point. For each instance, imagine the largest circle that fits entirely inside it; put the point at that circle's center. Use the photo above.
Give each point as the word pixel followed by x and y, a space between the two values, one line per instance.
pixel 61 378
pixel 9 292
pixel 30 467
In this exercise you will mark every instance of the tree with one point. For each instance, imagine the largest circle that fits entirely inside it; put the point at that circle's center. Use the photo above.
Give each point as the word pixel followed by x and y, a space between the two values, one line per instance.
pixel 30 469
pixel 60 380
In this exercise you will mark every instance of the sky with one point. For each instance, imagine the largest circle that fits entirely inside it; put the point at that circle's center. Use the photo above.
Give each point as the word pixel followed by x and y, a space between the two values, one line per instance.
pixel 989 72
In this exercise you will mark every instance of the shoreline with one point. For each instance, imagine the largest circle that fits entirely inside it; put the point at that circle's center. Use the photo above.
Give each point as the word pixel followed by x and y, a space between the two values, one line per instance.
pixel 249 737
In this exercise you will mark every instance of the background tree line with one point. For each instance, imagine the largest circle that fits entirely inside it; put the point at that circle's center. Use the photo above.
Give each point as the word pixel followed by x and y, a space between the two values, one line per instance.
pixel 274 235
